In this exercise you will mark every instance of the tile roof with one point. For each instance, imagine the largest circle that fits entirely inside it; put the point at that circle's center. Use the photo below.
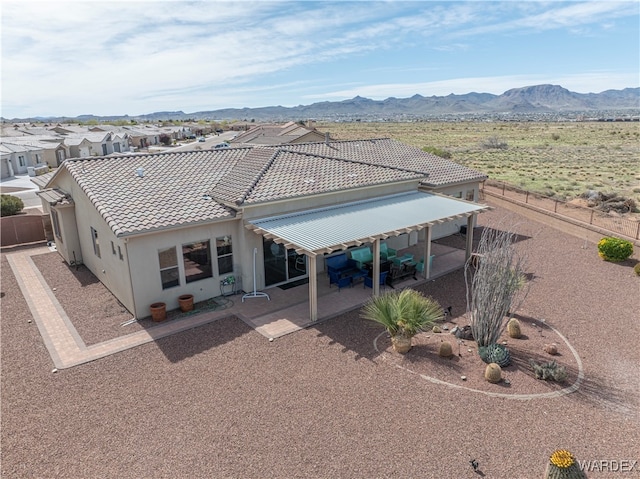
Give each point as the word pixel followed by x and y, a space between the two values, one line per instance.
pixel 192 187
pixel 296 174
pixel 172 192
pixel 388 152
pixel 276 134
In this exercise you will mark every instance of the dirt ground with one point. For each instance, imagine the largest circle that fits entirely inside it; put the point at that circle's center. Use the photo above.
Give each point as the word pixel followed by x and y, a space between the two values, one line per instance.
pixel 331 400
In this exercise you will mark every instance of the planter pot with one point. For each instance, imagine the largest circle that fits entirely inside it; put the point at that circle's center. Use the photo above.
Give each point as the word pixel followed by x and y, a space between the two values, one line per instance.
pixel 158 311
pixel 186 302
pixel 401 344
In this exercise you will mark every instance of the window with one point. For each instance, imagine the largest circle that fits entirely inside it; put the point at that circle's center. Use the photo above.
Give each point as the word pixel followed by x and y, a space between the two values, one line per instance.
pixel 470 195
pixel 113 248
pixel 96 242
pixel 21 160
pixel 120 254
pixel 104 149
pixel 197 261
pixel 224 249
pixel 56 224
pixel 457 194
pixel 169 274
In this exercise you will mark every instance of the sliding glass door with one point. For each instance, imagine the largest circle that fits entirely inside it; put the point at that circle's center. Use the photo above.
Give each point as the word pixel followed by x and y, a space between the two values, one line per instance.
pixel 282 265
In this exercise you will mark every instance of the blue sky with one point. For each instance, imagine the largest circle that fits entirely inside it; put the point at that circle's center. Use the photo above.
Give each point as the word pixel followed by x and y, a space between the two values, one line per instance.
pixel 132 57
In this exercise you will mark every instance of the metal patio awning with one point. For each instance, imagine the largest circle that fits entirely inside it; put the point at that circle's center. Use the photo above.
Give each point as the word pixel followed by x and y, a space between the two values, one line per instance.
pixel 328 229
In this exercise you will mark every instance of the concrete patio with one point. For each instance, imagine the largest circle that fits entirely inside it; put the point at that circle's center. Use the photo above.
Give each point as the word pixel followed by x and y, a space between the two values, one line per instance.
pixel 283 312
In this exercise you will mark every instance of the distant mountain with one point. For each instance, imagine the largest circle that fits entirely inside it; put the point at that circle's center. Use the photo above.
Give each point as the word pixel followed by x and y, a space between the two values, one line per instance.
pixel 537 101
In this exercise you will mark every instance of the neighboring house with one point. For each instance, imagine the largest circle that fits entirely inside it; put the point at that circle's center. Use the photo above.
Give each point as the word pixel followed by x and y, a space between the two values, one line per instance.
pixel 154 227
pixel 96 144
pixel 143 136
pixel 19 159
pixel 279 134
pixel 54 151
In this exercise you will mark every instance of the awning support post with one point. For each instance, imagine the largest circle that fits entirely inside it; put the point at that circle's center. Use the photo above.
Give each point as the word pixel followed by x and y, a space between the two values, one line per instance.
pixel 375 277
pixel 469 246
pixel 312 268
pixel 427 253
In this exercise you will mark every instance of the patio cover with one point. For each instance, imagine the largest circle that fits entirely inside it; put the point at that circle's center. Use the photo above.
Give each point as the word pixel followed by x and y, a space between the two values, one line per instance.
pixel 333 228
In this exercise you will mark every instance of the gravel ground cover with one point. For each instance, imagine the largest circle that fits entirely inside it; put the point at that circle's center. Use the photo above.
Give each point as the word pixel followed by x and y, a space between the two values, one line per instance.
pixel 221 401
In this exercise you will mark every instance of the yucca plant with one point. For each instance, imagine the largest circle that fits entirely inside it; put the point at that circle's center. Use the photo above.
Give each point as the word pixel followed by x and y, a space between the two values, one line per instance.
pixel 403 314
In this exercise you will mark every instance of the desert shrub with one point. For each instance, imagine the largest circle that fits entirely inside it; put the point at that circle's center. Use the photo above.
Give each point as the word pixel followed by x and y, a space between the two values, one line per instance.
pixel 11 205
pixel 636 269
pixel 551 371
pixel 437 151
pixel 614 249
pixel 494 143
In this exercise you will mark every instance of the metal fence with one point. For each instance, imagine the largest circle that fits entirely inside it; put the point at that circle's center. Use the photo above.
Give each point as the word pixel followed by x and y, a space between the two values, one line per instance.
pixel 615 224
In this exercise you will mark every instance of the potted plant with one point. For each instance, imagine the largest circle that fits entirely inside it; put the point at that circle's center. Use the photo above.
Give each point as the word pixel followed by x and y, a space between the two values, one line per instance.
pixel 186 302
pixel 158 311
pixel 403 314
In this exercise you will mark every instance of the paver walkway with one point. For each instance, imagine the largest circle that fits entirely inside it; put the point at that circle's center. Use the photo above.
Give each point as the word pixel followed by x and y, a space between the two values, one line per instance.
pixel 63 342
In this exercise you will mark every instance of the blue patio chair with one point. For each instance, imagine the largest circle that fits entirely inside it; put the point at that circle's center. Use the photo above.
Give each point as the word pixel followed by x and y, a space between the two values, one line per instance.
pixel 338 279
pixel 368 282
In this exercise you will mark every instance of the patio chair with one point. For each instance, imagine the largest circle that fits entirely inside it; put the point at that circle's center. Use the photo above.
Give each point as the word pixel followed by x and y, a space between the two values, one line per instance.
pixel 387 253
pixel 339 280
pixel 368 281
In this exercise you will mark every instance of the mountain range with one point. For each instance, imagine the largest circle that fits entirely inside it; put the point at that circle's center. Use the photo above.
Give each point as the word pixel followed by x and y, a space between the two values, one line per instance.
pixel 532 101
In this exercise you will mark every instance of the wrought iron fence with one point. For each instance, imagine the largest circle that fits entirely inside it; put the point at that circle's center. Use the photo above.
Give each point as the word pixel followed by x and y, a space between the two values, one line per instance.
pixel 615 224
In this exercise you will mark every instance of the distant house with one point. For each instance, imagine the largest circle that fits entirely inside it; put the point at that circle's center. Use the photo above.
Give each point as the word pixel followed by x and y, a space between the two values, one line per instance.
pixel 288 133
pixel 143 136
pixel 53 149
pixel 96 144
pixel 19 159
pixel 153 227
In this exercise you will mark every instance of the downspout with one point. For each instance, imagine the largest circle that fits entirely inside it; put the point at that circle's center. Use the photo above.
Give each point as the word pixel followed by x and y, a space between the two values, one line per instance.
pixel 133 296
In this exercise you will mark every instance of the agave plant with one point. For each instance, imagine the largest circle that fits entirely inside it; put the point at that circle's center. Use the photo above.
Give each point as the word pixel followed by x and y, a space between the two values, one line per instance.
pixel 403 313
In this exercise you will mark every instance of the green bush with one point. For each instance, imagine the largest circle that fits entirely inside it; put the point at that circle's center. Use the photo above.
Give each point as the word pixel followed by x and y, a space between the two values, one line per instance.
pixel 636 269
pixel 438 152
pixel 11 205
pixel 614 249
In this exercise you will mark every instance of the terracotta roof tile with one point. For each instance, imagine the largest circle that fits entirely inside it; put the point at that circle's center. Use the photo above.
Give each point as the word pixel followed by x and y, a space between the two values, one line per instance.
pixel 191 187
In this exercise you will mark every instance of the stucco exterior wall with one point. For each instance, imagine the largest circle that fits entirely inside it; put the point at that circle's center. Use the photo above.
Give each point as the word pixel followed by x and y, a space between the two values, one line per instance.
pixel 142 252
pixel 109 268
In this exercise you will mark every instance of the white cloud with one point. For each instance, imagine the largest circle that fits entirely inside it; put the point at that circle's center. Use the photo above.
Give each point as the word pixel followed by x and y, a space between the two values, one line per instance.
pixel 74 57
pixel 581 83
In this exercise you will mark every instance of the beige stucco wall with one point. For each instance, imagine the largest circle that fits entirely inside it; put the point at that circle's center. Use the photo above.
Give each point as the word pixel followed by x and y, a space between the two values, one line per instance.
pixel 143 250
pixel 112 271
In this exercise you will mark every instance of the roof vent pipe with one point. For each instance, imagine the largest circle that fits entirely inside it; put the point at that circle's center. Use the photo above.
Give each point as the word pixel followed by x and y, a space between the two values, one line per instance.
pixel 140 171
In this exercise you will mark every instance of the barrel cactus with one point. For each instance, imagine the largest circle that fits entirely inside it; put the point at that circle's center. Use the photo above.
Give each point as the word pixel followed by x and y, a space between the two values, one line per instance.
pixel 562 465
pixel 495 353
pixel 513 328
pixel 493 373
pixel 445 350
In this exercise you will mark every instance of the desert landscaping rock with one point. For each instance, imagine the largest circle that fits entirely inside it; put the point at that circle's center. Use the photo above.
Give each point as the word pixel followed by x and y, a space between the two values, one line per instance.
pixel 222 401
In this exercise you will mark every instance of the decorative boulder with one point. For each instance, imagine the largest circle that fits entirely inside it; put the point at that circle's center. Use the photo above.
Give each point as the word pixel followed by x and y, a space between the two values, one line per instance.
pixel 551 349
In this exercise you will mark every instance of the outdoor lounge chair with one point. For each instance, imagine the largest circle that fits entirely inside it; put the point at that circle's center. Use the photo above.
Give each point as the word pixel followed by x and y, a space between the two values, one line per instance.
pixel 368 281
